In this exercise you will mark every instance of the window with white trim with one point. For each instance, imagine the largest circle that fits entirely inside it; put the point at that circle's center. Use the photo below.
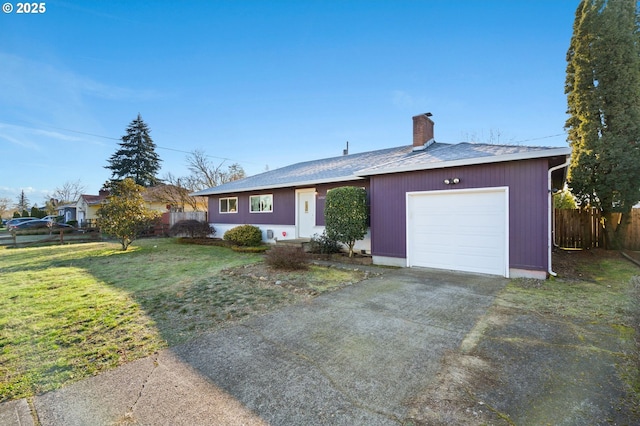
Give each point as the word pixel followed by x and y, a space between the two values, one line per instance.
pixel 261 203
pixel 228 205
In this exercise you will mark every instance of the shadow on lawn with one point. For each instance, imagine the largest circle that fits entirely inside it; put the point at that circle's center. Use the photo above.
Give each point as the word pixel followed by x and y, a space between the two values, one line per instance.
pixel 186 290
pixel 76 310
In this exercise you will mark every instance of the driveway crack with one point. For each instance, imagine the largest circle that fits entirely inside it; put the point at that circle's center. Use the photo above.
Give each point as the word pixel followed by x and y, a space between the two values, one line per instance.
pixel 128 417
pixel 33 411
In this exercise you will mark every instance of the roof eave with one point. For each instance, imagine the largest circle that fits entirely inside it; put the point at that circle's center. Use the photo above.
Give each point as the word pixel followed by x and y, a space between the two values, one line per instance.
pixel 468 161
pixel 216 191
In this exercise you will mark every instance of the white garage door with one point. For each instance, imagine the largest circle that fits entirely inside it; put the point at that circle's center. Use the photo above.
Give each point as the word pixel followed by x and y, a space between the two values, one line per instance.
pixel 462 230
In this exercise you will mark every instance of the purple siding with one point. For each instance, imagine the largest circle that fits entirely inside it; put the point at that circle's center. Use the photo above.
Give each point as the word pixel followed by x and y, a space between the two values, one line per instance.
pixel 528 210
pixel 283 209
pixel 283 206
pixel 321 195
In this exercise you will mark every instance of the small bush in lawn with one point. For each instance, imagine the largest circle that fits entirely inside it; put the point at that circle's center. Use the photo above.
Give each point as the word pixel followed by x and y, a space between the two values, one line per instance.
pixel 244 235
pixel 191 227
pixel 322 244
pixel 284 257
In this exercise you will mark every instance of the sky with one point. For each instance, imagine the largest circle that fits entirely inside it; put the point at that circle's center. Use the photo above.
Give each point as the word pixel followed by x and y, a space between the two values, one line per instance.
pixel 270 83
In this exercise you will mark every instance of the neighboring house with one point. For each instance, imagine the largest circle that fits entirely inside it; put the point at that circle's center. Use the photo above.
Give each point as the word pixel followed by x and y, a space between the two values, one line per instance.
pixel 467 207
pixel 86 208
pixel 67 211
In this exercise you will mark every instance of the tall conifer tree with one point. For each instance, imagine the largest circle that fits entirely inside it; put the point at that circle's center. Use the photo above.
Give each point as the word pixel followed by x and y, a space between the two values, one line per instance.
pixel 137 158
pixel 603 95
pixel 23 203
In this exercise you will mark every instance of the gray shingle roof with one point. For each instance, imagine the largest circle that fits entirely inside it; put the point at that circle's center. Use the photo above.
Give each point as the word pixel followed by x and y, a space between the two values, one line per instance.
pixel 391 160
pixel 450 155
pixel 336 169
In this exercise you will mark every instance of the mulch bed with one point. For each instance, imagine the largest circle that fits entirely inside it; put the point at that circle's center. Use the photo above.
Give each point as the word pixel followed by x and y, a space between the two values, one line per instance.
pixel 567 263
pixel 357 259
pixel 570 264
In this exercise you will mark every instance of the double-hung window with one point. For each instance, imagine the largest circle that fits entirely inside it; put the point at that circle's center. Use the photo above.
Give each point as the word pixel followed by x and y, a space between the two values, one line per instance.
pixel 229 205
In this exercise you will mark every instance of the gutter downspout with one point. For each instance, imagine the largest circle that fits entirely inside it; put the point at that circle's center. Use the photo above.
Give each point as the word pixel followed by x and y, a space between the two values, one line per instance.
pixel 549 222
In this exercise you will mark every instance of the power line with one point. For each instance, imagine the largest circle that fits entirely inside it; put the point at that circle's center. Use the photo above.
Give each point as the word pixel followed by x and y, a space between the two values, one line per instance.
pixel 540 138
pixel 82 133
pixel 118 139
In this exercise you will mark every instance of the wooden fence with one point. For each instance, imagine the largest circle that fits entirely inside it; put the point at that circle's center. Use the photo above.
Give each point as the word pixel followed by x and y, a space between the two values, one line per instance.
pixel 583 229
pixel 29 238
pixel 177 216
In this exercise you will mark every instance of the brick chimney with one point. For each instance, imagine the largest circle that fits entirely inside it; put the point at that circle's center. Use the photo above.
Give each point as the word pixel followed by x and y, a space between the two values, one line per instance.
pixel 422 130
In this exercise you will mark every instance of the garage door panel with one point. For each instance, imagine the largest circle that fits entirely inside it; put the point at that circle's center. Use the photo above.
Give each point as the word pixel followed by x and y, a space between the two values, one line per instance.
pixel 458 230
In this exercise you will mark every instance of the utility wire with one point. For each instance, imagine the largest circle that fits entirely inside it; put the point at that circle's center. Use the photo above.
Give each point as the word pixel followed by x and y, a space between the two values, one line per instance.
pixel 230 159
pixel 119 139
pixel 540 138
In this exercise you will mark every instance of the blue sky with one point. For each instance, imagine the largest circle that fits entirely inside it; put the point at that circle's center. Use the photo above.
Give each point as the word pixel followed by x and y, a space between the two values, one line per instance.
pixel 270 83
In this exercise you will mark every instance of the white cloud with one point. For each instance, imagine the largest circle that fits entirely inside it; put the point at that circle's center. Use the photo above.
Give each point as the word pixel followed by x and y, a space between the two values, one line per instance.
pixel 35 196
pixel 35 91
pixel 36 139
pixel 20 141
pixel 406 101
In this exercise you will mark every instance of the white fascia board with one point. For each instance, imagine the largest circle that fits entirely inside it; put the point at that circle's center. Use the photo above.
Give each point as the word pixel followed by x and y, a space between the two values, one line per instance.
pixel 216 191
pixel 468 161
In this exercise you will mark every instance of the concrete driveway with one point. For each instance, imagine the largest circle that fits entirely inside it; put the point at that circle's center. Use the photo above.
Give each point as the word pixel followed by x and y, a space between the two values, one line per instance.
pixel 352 357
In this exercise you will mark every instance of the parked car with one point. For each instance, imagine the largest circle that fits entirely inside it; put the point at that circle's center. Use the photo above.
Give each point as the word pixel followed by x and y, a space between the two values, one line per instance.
pixel 41 223
pixel 52 218
pixel 11 223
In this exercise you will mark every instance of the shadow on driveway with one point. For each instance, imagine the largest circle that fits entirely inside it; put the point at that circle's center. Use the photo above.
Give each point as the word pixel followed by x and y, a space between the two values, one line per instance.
pixel 354 356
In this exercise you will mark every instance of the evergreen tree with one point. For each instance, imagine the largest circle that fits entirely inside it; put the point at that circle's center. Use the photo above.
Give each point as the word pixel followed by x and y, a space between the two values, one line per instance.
pixel 23 202
pixel 36 212
pixel 346 214
pixel 603 95
pixel 137 158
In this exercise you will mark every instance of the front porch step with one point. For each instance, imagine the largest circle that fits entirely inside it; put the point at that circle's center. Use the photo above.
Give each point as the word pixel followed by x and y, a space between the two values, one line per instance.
pixel 297 242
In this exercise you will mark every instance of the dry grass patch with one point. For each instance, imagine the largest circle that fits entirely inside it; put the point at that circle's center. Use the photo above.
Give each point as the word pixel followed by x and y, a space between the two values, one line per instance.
pixel 68 312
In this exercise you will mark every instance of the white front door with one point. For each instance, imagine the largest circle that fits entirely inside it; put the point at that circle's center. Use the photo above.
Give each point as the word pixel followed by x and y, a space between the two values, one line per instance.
pixel 305 212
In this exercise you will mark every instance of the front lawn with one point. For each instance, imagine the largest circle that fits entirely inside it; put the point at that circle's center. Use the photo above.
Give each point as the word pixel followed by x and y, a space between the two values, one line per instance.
pixel 68 312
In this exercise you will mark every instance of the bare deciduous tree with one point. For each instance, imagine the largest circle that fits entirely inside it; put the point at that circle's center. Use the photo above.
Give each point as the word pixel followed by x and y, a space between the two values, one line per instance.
pixel 495 137
pixel 175 191
pixel 4 205
pixel 68 192
pixel 205 174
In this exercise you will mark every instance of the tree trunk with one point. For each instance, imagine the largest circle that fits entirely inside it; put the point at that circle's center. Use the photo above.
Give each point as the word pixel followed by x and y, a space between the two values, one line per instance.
pixel 615 230
pixel 622 229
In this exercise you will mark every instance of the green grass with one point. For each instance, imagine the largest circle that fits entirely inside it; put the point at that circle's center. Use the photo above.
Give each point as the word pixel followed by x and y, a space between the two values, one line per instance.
pixel 606 295
pixel 68 312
